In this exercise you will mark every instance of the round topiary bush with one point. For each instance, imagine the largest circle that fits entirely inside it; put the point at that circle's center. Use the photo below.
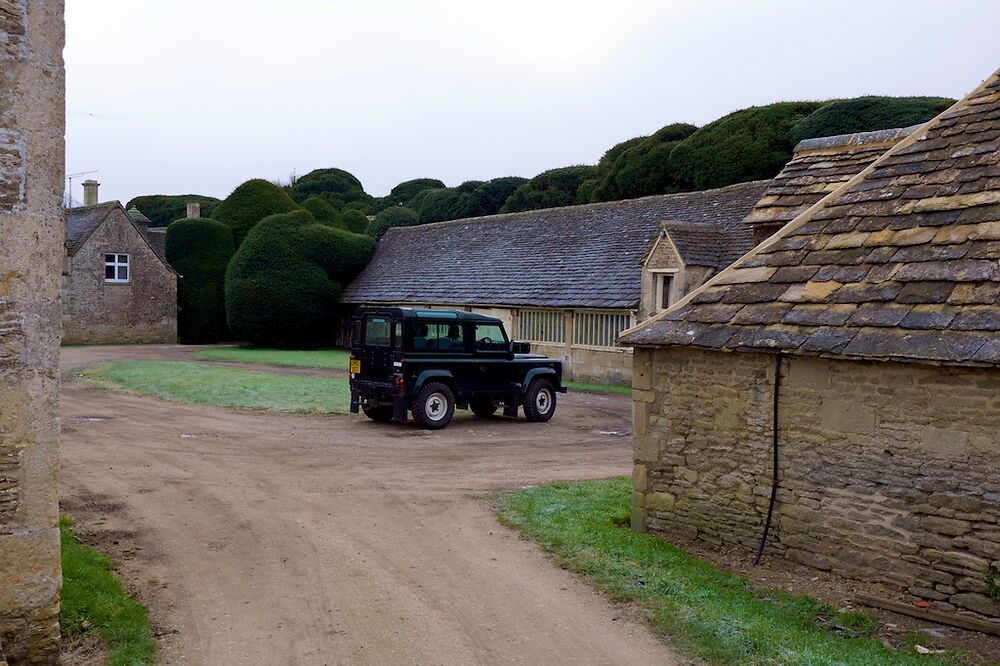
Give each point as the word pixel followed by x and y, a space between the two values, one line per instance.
pixel 405 191
pixel 337 186
pixel 323 212
pixel 354 221
pixel 283 285
pixel 200 249
pixel 549 189
pixel 250 203
pixel 397 216
pixel 639 167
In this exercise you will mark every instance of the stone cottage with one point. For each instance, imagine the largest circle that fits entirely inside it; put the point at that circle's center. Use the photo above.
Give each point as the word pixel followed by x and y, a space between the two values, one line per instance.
pixel 32 126
pixel 117 284
pixel 852 363
pixel 568 279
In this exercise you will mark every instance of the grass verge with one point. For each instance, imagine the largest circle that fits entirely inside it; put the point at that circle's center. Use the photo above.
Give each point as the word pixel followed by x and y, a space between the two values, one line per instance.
pixel 93 600
pixel 701 610
pixel 336 359
pixel 222 387
pixel 587 387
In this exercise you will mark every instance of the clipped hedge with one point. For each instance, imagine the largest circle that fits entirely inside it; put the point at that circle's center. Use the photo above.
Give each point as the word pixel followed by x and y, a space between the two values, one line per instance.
pixel 746 145
pixel 336 186
pixel 639 167
pixel 283 285
pixel 354 221
pixel 555 187
pixel 200 249
pixel 398 216
pixel 323 212
pixel 250 203
pixel 405 191
pixel 866 114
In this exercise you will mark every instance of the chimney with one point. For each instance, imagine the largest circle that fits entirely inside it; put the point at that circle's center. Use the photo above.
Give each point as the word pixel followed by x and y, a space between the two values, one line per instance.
pixel 90 192
pixel 193 210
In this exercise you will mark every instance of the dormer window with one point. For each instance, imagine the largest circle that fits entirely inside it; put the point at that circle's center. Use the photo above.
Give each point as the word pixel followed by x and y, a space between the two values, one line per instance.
pixel 116 268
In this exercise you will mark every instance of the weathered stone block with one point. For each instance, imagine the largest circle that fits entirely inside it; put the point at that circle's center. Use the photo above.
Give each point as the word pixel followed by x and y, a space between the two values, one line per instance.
pixel 977 602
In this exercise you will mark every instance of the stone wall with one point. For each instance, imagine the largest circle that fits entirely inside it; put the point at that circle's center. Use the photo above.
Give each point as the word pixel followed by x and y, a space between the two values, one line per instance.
pixel 32 122
pixel 888 471
pixel 143 310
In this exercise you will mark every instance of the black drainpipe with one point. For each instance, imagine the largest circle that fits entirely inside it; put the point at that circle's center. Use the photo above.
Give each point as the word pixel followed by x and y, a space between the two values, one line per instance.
pixel 774 471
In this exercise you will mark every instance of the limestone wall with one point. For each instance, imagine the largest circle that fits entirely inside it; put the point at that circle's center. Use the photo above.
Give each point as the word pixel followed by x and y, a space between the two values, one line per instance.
pixel 143 310
pixel 32 121
pixel 889 471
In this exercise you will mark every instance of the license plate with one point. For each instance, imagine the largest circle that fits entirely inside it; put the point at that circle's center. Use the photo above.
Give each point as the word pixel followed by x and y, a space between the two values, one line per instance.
pixel 355 365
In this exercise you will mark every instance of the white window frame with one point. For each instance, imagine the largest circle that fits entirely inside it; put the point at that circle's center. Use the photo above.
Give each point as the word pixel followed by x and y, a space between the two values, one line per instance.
pixel 117 263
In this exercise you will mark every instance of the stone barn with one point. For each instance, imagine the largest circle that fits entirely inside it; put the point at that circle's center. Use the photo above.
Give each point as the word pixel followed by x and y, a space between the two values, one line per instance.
pixel 117 284
pixel 32 126
pixel 852 363
pixel 568 279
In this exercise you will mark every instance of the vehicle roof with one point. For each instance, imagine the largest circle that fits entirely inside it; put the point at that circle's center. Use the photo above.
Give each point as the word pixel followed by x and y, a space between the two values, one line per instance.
pixel 425 314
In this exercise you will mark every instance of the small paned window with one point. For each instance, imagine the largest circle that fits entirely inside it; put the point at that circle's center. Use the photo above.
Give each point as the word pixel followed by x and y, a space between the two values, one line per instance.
pixel 438 337
pixel 116 268
pixel 666 282
pixel 490 337
pixel 377 332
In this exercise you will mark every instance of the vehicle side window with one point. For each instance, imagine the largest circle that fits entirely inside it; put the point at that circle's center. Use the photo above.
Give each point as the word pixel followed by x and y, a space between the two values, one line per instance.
pixel 438 337
pixel 490 337
pixel 398 340
pixel 356 333
pixel 377 332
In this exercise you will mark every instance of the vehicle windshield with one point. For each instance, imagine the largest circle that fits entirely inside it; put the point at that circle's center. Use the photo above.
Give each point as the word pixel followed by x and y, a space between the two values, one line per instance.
pixel 490 337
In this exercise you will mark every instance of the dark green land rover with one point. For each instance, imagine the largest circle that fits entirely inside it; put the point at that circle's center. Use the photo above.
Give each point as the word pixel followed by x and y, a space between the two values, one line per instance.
pixel 430 362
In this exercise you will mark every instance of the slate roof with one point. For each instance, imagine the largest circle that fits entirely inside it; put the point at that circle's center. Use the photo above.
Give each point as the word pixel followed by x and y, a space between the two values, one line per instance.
pixel 714 245
pixel 817 168
pixel 157 237
pixel 575 256
pixel 902 262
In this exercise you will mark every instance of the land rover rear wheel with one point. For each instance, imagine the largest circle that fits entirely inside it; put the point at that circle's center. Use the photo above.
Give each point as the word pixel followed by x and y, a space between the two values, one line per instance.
pixel 434 406
pixel 540 400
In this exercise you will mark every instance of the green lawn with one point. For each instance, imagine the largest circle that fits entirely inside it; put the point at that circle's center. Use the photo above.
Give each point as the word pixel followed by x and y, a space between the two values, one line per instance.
pixel 587 387
pixel 91 593
pixel 336 359
pixel 697 608
pixel 221 386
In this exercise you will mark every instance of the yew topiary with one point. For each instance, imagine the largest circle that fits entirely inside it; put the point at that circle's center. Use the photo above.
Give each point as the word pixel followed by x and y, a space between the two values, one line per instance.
pixel 250 203
pixel 200 249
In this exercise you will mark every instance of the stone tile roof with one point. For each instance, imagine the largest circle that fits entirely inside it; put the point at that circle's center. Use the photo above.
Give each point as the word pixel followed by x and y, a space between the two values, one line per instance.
pixel 575 256
pixel 157 237
pixel 82 221
pixel 902 262
pixel 817 168
pixel 715 245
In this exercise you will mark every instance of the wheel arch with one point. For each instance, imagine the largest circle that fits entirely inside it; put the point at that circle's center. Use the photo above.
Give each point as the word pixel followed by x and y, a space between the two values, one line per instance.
pixel 442 376
pixel 535 373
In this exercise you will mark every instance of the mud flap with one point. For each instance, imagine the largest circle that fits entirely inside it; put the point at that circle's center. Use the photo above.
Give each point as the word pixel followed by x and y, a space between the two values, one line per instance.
pixel 510 410
pixel 399 409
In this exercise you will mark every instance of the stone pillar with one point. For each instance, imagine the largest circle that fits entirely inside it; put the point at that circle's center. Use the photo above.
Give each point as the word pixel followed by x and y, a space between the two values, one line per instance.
pixel 32 233
pixel 90 196
pixel 193 210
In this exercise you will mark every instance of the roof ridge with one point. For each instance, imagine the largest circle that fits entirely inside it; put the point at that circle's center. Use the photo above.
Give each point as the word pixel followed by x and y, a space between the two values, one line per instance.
pixel 854 139
pixel 597 205
pixel 805 216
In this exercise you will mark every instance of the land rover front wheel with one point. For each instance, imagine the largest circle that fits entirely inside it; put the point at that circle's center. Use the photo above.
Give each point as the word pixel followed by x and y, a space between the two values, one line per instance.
pixel 434 406
pixel 540 400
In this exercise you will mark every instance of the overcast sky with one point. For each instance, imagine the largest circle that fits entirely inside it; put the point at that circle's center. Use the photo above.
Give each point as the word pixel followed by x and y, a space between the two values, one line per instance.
pixel 196 96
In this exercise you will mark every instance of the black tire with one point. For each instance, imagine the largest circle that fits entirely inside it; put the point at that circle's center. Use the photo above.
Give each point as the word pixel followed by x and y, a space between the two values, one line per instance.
pixel 540 401
pixel 379 413
pixel 434 406
pixel 484 408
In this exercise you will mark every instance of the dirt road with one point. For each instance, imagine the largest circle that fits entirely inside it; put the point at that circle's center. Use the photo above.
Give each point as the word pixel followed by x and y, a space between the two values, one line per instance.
pixel 283 539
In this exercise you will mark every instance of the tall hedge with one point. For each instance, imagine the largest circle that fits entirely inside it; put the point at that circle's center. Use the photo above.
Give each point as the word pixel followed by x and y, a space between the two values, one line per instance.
pixel 640 167
pixel 200 249
pixel 336 186
pixel 751 144
pixel 250 203
pixel 354 221
pixel 162 209
pixel 283 285
pixel 397 216
pixel 865 114
pixel 405 191
pixel 556 187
